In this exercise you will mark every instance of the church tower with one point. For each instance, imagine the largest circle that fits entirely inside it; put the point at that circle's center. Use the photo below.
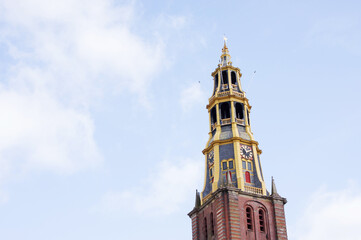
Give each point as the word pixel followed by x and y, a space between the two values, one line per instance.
pixel 234 203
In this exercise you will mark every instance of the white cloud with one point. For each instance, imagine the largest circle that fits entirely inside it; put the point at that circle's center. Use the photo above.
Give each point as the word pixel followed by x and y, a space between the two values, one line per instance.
pixel 61 57
pixel 332 216
pixel 45 134
pixel 191 96
pixel 87 44
pixel 163 192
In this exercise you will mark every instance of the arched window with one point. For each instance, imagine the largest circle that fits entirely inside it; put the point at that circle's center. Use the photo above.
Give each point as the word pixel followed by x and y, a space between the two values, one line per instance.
pixel 215 83
pixel 249 218
pixel 233 78
pixel 212 225
pixel 261 220
pixel 249 123
pixel 248 177
pixel 225 110
pixel 213 115
pixel 239 111
pixel 224 79
pixel 205 229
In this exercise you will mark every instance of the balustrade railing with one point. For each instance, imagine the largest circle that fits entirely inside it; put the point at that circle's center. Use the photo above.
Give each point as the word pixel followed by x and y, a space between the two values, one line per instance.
pixel 222 94
pixel 240 121
pixel 226 121
pixel 238 94
pixel 226 93
pixel 253 190
pixel 224 86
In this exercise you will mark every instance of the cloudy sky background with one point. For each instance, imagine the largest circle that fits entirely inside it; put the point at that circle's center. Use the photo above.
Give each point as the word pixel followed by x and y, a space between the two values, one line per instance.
pixel 103 112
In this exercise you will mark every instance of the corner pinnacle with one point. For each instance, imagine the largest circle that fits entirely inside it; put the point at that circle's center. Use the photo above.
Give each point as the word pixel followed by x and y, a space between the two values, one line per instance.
pixel 197 203
pixel 274 189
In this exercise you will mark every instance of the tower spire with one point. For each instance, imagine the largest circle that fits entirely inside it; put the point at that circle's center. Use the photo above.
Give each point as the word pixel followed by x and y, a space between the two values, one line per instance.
pixel 225 57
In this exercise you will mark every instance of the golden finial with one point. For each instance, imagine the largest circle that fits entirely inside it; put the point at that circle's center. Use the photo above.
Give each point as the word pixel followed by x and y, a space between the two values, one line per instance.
pixel 225 49
pixel 225 41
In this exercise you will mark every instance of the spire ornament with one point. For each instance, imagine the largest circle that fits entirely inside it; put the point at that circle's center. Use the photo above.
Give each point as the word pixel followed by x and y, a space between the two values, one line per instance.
pixel 225 48
pixel 225 41
pixel 225 57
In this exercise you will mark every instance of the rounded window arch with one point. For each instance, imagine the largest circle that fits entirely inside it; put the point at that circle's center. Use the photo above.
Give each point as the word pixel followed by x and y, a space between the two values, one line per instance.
pixel 205 229
pixel 225 113
pixel 249 218
pixel 239 110
pixel 262 220
pixel 213 115
pixel 224 79
pixel 233 78
pixel 215 83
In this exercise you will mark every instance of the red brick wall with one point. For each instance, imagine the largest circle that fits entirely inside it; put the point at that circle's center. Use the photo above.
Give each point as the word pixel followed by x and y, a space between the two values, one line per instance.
pixel 220 220
pixel 230 222
pixel 280 219
pixel 195 235
pixel 234 217
pixel 256 204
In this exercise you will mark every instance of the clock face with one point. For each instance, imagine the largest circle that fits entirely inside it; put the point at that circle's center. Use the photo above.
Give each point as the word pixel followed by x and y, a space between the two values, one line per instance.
pixel 210 157
pixel 246 152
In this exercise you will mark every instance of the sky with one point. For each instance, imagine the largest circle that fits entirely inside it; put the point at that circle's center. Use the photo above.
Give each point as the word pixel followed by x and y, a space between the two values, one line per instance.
pixel 103 113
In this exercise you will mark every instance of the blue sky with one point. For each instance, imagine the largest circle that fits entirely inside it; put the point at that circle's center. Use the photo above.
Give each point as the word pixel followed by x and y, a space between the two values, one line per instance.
pixel 104 120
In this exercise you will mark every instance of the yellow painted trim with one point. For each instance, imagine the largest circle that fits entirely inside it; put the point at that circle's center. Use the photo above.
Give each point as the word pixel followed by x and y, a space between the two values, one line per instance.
pixel 224 68
pixel 229 81
pixel 205 177
pixel 210 128
pixel 210 119
pixel 209 139
pixel 239 173
pixel 239 75
pixel 228 98
pixel 233 121
pixel 227 161
pixel 248 126
pixel 218 125
pixel 247 161
pixel 216 168
pixel 231 140
pixel 258 169
pixel 219 84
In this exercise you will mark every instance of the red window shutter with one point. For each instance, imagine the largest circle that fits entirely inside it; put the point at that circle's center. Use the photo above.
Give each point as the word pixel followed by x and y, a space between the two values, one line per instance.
pixel 248 177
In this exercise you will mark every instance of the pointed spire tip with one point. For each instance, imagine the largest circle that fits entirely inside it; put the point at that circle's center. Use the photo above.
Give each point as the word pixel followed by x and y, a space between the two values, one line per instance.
pixel 197 203
pixel 274 189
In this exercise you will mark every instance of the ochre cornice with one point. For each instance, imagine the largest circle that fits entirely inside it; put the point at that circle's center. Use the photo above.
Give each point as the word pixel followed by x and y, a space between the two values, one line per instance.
pixel 231 97
pixel 231 140
pixel 225 68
